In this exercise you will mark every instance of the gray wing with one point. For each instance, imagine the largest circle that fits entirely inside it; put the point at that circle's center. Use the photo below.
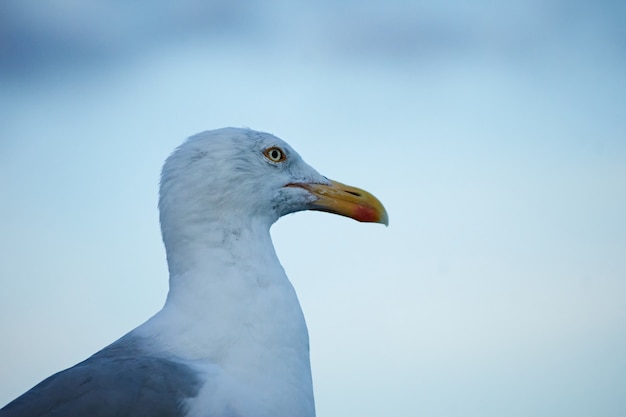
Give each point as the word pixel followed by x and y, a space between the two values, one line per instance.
pixel 118 381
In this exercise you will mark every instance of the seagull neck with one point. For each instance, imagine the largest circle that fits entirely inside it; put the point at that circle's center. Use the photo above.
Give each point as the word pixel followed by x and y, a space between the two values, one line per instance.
pixel 228 296
pixel 221 254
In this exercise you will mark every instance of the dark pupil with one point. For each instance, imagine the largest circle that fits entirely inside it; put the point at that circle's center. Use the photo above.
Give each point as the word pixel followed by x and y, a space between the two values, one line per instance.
pixel 275 154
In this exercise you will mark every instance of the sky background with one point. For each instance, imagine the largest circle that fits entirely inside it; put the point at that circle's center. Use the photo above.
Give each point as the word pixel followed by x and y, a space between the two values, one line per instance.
pixel 494 133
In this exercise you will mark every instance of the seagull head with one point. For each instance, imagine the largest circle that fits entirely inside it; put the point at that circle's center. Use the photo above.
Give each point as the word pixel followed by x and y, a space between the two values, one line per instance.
pixel 240 174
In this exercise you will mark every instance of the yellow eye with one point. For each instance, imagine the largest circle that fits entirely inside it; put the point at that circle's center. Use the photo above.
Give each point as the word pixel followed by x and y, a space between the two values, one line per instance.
pixel 275 154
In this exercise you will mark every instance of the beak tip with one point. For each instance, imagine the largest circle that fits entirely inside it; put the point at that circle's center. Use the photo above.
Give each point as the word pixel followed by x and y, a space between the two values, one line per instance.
pixel 384 218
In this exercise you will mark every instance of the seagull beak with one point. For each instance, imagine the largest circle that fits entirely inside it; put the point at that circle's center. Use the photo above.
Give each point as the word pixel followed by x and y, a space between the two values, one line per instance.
pixel 346 201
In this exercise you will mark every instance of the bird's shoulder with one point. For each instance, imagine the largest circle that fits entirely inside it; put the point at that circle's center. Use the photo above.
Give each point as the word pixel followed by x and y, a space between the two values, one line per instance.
pixel 120 380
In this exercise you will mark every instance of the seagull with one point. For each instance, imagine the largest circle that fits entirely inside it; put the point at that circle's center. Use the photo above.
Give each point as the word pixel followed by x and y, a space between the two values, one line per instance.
pixel 231 339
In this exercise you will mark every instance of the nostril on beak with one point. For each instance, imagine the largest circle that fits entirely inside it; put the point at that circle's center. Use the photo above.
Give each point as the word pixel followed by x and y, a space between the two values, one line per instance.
pixel 353 193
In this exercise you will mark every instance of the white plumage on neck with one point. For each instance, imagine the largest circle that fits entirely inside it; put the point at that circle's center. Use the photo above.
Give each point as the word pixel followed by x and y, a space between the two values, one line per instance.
pixel 234 289
pixel 234 314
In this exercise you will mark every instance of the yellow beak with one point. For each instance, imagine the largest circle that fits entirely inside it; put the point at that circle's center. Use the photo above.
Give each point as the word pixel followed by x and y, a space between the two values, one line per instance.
pixel 346 201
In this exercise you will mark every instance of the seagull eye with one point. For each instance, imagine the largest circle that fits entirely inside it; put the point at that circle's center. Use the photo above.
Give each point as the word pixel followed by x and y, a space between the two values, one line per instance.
pixel 275 154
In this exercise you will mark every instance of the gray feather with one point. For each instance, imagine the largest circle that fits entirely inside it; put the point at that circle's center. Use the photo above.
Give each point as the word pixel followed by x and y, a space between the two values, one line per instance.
pixel 121 380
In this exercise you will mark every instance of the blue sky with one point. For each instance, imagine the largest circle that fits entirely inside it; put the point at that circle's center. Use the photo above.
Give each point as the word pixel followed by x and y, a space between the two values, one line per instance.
pixel 495 136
